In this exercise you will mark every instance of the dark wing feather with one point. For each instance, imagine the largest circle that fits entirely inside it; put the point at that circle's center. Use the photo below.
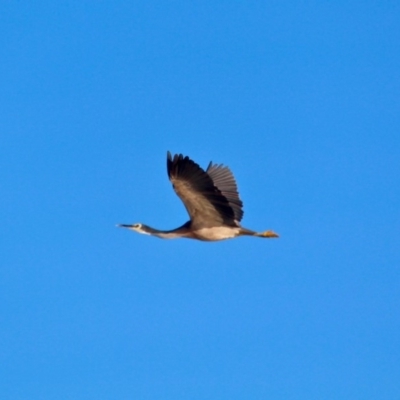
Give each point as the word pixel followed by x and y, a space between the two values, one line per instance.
pixel 204 202
pixel 223 179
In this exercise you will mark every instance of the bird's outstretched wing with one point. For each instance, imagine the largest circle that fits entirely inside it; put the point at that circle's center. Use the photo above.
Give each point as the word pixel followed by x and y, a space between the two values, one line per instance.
pixel 204 201
pixel 223 179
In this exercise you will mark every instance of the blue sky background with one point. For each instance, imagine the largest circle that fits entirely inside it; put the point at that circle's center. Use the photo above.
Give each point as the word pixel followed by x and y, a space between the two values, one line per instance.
pixel 300 99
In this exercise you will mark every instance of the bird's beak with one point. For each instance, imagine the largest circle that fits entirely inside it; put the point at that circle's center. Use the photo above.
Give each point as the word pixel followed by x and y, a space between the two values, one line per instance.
pixel 124 226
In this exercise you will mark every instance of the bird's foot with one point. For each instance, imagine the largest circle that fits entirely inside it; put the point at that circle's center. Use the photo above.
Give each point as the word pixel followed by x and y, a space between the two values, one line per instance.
pixel 269 234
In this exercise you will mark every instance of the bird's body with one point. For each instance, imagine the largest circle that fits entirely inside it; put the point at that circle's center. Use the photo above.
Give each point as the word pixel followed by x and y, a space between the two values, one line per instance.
pixel 211 199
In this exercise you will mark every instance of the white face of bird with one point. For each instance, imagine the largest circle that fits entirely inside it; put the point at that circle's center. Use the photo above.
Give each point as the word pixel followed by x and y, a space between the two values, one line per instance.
pixel 138 228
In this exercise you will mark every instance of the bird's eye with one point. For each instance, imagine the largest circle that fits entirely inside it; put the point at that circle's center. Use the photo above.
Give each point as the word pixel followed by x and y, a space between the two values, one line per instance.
pixel 136 226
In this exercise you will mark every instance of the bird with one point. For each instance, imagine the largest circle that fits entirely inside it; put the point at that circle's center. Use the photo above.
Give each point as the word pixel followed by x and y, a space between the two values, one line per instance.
pixel 211 199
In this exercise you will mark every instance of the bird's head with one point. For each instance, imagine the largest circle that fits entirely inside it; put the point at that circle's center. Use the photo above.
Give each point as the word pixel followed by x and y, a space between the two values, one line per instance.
pixel 140 228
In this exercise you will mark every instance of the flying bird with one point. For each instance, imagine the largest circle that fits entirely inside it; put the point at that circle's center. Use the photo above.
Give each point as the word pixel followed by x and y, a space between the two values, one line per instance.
pixel 211 199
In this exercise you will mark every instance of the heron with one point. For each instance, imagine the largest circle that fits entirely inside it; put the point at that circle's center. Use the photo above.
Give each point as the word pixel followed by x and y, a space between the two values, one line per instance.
pixel 211 199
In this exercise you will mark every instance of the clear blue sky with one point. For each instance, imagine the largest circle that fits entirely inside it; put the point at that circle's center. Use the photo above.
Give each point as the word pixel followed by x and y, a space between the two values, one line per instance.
pixel 300 99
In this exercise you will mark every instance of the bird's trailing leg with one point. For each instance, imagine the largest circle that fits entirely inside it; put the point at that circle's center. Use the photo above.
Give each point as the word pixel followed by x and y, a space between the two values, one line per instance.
pixel 267 234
